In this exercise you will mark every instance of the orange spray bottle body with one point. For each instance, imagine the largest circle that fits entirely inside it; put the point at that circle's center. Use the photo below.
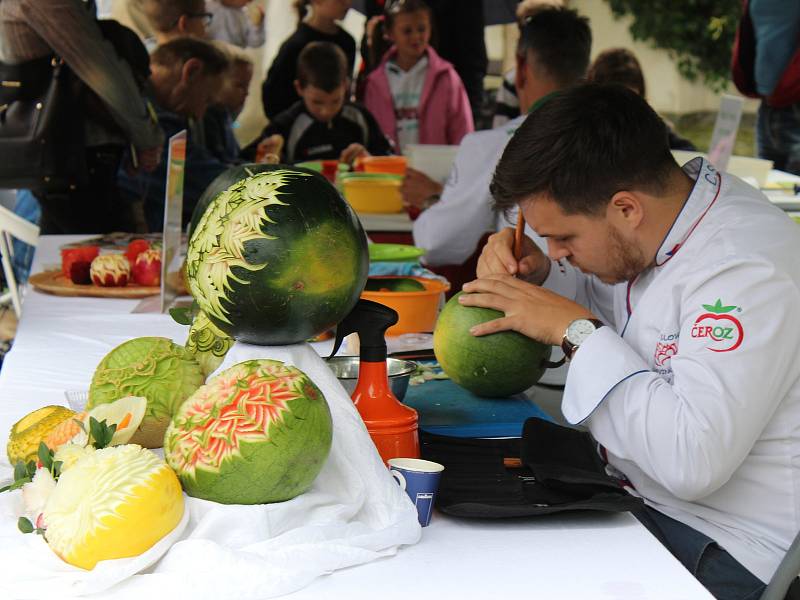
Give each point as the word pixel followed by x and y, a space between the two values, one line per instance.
pixel 391 425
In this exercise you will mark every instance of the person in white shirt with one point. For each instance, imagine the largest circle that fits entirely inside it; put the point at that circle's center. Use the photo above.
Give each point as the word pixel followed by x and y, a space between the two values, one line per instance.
pixel 552 53
pixel 677 300
pixel 237 22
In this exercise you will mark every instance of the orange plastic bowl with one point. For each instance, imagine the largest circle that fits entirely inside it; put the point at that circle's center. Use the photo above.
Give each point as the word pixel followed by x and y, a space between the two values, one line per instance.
pixel 417 311
pixel 385 164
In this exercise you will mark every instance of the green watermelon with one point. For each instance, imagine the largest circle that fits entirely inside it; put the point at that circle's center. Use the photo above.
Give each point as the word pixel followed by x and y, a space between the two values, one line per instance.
pixel 493 366
pixel 221 183
pixel 257 432
pixel 152 367
pixel 277 258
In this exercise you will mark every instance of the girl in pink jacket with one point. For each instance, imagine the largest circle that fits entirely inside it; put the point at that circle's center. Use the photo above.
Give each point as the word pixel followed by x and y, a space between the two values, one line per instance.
pixel 416 96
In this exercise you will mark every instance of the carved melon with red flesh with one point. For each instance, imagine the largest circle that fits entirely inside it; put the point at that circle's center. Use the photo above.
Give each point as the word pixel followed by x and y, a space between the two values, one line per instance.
pixel 257 432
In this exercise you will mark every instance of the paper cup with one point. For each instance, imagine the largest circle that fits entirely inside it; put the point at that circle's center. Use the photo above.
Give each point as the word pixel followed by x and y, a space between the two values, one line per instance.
pixel 420 480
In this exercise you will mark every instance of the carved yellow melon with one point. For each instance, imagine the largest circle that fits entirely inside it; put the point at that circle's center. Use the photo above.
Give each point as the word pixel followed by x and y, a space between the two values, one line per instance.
pixel 114 503
pixel 33 428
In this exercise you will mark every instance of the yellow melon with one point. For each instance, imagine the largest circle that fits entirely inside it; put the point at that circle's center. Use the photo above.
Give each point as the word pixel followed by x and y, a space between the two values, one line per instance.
pixel 33 428
pixel 114 503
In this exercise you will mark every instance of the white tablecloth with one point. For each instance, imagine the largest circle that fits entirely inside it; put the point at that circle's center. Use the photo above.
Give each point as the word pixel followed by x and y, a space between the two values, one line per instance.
pixel 578 555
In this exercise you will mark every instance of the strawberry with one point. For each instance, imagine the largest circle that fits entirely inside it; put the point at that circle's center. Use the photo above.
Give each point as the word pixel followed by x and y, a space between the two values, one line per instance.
pixel 79 272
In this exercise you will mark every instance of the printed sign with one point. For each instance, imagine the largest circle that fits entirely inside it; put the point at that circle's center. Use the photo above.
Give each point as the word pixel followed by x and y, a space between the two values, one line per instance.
pixel 725 130
pixel 171 256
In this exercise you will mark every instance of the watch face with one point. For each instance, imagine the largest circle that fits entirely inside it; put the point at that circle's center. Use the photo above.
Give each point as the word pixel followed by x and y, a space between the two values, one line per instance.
pixel 579 330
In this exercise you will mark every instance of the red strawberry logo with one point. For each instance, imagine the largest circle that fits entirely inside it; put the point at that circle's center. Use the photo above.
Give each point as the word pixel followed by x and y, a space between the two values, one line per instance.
pixel 721 329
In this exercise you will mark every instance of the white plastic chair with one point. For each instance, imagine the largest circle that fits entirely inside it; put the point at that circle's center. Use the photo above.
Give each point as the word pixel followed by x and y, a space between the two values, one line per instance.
pixel 13 226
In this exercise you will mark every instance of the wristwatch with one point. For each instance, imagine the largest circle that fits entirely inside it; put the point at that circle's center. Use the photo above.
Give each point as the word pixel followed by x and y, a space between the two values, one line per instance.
pixel 576 334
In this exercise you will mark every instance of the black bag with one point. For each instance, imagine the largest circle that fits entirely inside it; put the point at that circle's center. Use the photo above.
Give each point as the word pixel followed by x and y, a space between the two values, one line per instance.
pixel 41 126
pixel 550 469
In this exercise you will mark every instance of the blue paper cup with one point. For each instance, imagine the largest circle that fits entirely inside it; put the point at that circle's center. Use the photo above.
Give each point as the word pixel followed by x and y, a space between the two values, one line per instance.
pixel 420 479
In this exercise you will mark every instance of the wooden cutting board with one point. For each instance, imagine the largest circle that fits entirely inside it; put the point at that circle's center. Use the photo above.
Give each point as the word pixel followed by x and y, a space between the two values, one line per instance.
pixel 54 282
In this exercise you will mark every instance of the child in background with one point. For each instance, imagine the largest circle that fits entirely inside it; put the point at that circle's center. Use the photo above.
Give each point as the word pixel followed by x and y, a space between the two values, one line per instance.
pixel 323 124
pixel 238 22
pixel 620 65
pixel 416 96
pixel 220 118
pixel 317 24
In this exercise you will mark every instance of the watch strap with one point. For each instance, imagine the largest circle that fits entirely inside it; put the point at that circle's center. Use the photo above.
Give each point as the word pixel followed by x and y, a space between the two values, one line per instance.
pixel 569 348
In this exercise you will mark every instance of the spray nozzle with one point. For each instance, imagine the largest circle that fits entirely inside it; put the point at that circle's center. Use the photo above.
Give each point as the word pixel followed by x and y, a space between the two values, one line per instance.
pixel 369 320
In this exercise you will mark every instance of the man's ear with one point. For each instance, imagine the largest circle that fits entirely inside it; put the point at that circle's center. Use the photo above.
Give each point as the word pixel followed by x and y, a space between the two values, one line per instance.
pixel 626 210
pixel 181 24
pixel 191 70
pixel 521 72
pixel 297 87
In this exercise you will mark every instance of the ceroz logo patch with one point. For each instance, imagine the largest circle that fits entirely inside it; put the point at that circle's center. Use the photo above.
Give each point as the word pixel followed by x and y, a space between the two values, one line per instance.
pixel 722 331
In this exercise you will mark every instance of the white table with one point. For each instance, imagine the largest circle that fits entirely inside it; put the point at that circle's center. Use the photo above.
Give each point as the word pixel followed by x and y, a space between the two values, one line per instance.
pixel 577 555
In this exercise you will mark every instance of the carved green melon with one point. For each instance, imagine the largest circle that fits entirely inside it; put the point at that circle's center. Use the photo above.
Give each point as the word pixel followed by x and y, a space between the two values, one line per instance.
pixel 277 258
pixel 152 367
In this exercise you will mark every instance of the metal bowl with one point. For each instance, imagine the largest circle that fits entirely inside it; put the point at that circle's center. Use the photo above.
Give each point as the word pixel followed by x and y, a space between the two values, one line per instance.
pixel 346 370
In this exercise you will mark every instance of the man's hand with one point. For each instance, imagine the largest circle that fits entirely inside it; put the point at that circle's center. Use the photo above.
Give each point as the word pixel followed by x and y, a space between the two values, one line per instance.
pixel 256 14
pixel 269 148
pixel 529 309
pixel 136 161
pixel 417 188
pixel 497 258
pixel 352 152
pixel 150 158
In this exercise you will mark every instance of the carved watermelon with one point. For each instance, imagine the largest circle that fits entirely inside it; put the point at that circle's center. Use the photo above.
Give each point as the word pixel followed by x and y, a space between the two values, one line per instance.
pixel 277 258
pixel 257 432
pixel 221 183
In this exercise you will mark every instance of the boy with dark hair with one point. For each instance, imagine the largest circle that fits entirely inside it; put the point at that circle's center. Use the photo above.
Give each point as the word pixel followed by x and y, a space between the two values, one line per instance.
pixel 323 124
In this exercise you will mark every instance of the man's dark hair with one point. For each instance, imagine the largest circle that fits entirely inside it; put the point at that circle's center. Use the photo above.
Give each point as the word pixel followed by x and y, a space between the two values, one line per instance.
pixel 559 41
pixel 178 51
pixel 583 146
pixel 618 65
pixel 163 15
pixel 323 65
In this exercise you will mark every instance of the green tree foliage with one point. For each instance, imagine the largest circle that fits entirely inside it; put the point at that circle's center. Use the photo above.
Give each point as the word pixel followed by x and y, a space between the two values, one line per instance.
pixel 697 33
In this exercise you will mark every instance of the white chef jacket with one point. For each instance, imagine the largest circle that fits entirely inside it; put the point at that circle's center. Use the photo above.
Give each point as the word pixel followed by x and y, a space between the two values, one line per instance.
pixel 694 388
pixel 449 230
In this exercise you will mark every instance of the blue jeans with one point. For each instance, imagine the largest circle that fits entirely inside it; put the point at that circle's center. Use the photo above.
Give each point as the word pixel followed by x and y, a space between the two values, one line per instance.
pixel 718 571
pixel 778 136
pixel 27 207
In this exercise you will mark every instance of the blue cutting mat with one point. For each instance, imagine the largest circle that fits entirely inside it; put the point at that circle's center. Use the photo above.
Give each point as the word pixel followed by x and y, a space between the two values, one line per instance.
pixel 448 409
